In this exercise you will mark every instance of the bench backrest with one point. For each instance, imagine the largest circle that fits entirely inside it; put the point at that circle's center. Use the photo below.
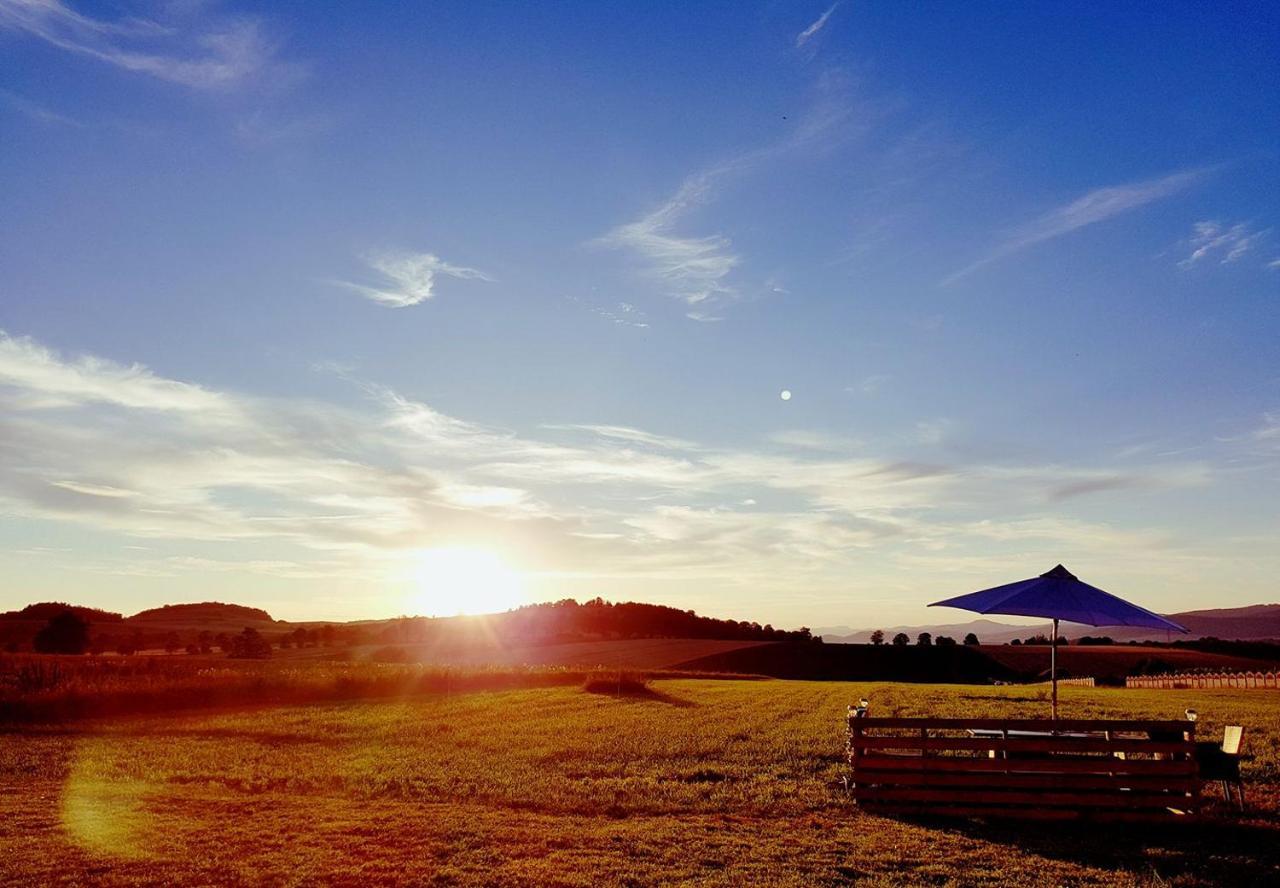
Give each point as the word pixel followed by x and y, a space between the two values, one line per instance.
pixel 1068 768
pixel 1231 737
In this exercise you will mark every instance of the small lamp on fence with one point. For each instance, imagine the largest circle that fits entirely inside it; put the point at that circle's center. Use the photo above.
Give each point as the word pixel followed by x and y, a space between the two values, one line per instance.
pixel 860 711
pixel 1192 715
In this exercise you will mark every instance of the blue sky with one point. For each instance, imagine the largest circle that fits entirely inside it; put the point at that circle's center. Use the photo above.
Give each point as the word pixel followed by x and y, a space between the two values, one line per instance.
pixel 293 296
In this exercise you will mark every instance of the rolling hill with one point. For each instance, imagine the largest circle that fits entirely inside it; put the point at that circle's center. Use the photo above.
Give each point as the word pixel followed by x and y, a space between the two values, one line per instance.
pixel 1258 622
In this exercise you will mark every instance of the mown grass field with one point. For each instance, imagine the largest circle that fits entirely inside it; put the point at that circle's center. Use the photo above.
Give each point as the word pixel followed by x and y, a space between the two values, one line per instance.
pixel 698 782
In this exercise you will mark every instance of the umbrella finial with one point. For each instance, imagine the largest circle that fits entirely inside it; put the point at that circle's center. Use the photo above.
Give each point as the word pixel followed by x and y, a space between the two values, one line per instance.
pixel 1059 573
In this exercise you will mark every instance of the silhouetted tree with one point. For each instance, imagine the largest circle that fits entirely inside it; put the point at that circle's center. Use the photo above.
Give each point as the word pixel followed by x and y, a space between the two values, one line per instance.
pixel 1015 641
pixel 67 633
pixel 924 639
pixel 877 637
pixel 250 645
pixel 971 639
pixel 901 639
pixel 205 641
pixel 945 641
pixel 223 641
pixel 172 643
pixel 327 635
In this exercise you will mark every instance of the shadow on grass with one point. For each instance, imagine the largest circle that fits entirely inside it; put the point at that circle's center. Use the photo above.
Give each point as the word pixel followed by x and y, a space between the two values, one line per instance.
pixel 1213 850
pixel 632 693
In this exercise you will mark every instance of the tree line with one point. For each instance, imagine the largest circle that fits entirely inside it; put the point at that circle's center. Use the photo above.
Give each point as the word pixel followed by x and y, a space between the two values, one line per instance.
pixel 924 639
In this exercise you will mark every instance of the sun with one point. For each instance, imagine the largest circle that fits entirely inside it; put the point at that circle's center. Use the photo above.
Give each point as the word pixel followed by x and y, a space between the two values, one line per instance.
pixel 464 580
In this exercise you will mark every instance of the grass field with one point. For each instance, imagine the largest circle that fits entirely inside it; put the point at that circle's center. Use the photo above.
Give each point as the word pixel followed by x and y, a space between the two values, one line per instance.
pixel 632 653
pixel 704 782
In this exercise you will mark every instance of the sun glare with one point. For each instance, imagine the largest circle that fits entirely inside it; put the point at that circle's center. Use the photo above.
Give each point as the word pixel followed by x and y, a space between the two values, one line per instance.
pixel 458 580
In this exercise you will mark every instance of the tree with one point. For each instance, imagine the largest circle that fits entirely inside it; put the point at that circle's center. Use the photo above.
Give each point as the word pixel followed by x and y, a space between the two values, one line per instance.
pixel 901 639
pixel 971 639
pixel 250 645
pixel 945 641
pixel 877 637
pixel 67 633
pixel 205 641
pixel 172 643
pixel 924 639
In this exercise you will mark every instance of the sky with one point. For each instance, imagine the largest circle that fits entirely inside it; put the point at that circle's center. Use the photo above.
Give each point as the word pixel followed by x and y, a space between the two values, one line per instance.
pixel 357 310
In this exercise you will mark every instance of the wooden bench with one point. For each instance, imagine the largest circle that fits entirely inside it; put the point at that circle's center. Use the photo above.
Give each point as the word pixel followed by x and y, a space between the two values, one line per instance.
pixel 1069 769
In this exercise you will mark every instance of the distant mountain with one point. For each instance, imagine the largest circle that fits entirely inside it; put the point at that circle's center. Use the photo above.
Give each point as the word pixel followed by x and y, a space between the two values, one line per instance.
pixel 1252 623
pixel 47 610
pixel 207 610
pixel 546 623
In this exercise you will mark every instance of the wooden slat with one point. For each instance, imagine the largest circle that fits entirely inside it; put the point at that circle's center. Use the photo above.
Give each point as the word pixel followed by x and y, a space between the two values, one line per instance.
pixel 1131 782
pixel 1101 764
pixel 968 796
pixel 1027 724
pixel 1091 814
pixel 1036 744
pixel 1061 777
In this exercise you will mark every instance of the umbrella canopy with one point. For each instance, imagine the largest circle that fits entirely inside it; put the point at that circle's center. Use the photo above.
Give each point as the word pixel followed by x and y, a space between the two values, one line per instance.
pixel 1059 595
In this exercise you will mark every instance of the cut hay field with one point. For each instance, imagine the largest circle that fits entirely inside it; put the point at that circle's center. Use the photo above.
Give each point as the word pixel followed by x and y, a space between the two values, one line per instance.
pixel 635 653
pixel 695 782
pixel 1116 660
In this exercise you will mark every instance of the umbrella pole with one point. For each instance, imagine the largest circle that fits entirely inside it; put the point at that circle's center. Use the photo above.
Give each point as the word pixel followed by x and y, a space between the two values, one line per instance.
pixel 1053 665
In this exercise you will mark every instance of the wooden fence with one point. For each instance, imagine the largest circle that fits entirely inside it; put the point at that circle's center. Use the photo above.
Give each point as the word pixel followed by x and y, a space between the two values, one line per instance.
pixel 1205 680
pixel 1075 682
pixel 1024 768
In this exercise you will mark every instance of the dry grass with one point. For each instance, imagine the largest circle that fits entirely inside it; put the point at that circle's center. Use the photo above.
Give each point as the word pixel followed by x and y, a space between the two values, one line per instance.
pixel 717 783
pixel 38 688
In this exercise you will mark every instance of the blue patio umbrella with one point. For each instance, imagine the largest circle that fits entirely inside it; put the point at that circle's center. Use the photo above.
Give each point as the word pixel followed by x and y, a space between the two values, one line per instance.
pixel 1059 595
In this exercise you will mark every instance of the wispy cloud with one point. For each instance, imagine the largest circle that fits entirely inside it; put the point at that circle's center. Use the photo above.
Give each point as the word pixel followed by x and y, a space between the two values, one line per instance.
pixel 410 278
pixel 696 270
pixel 36 111
pixel 1089 209
pixel 622 314
pixel 319 488
pixel 49 381
pixel 218 56
pixel 1213 239
pixel 815 28
pixel 869 385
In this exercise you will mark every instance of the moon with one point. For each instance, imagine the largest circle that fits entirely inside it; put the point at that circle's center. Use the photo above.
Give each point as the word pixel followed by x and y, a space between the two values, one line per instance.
pixel 785 395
